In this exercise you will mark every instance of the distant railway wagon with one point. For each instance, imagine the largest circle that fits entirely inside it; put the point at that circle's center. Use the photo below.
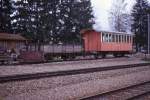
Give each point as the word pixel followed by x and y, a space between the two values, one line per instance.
pixel 64 51
pixel 62 48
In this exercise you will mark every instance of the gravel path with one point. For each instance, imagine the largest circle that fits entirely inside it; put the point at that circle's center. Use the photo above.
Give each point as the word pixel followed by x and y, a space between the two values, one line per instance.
pixel 30 86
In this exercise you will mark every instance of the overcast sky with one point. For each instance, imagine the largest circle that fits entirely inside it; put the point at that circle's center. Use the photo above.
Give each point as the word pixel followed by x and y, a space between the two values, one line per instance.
pixel 101 10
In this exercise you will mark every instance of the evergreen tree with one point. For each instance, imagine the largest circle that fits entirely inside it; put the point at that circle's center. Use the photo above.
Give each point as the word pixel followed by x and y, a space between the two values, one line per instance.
pixel 6 10
pixel 82 16
pixel 52 20
pixel 74 16
pixel 140 26
pixel 37 20
pixel 34 18
pixel 55 21
pixel 20 17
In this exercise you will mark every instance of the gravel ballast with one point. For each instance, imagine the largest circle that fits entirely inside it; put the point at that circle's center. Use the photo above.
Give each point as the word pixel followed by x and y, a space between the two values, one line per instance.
pixel 52 67
pixel 30 86
pixel 84 89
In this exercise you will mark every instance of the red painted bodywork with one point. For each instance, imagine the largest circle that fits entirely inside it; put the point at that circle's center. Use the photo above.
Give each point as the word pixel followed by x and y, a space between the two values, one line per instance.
pixel 93 43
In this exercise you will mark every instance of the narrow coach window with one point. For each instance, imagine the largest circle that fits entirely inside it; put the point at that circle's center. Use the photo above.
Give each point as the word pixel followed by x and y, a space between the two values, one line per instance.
pixel 113 38
pixel 110 37
pixel 128 39
pixel 117 38
pixel 107 37
pixel 125 40
pixel 103 37
pixel 122 38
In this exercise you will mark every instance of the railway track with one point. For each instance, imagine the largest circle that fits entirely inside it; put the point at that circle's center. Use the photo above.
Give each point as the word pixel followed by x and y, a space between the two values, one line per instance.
pixel 129 93
pixel 74 91
pixel 67 60
pixel 22 77
pixel 144 96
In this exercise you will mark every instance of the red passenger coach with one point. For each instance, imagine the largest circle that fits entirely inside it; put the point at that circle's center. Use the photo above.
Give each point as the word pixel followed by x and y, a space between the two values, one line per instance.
pixel 102 42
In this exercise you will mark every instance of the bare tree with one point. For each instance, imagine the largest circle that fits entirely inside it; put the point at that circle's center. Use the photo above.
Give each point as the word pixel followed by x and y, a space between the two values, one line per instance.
pixel 119 18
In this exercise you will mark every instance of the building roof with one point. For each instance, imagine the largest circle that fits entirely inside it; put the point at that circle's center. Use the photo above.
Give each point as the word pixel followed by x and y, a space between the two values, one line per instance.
pixel 13 37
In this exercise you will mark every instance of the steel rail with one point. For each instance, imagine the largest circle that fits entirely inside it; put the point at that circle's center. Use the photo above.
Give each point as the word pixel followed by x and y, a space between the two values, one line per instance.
pixel 118 90
pixel 30 76
pixel 68 60
pixel 138 96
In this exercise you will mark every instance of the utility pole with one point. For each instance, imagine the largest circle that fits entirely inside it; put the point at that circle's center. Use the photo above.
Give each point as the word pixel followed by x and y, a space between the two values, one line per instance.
pixel 148 33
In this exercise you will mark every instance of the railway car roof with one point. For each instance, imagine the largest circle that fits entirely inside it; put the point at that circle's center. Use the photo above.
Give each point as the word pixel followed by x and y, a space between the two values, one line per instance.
pixel 101 31
pixel 14 37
